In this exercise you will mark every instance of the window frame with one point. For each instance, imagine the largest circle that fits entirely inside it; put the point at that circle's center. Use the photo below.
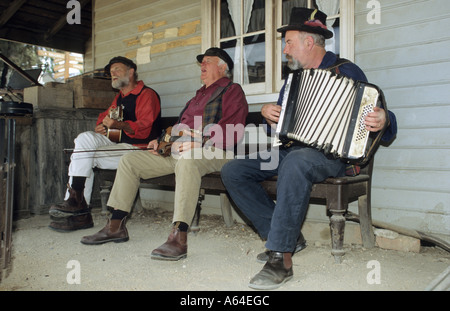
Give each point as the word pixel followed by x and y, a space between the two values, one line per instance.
pixel 268 92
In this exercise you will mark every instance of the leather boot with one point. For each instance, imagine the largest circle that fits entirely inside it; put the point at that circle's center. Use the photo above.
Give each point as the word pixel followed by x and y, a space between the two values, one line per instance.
pixel 114 231
pixel 74 205
pixel 301 245
pixel 71 223
pixel 175 247
pixel 273 274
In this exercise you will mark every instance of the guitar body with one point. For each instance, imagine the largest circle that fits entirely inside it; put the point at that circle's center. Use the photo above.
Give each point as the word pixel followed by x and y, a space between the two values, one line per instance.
pixel 114 135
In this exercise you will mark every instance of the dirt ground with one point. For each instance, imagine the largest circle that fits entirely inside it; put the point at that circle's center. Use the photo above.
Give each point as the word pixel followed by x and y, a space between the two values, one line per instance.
pixel 219 259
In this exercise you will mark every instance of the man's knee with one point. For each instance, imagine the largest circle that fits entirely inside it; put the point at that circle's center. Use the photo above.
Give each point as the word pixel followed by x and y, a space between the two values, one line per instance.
pixel 89 135
pixel 230 171
pixel 188 167
pixel 127 161
pixel 87 140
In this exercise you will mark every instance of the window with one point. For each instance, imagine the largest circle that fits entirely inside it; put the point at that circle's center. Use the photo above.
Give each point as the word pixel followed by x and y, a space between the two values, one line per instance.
pixel 242 33
pixel 246 29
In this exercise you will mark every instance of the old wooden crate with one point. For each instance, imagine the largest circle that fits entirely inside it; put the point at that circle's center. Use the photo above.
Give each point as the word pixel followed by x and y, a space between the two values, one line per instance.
pixel 91 92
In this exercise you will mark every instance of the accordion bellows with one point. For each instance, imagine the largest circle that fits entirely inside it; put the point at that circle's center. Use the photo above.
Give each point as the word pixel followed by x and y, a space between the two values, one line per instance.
pixel 326 111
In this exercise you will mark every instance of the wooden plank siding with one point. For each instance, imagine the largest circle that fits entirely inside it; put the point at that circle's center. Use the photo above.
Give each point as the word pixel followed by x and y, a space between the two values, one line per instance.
pixel 169 28
pixel 407 56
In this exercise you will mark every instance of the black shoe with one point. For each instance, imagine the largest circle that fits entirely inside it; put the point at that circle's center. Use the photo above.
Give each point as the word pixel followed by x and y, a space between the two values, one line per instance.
pixel 273 274
pixel 301 245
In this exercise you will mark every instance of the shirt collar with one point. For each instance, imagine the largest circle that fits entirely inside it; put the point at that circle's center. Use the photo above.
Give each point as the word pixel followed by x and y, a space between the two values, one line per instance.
pixel 136 90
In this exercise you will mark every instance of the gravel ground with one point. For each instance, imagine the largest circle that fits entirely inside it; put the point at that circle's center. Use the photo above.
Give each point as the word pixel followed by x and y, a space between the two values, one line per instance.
pixel 219 259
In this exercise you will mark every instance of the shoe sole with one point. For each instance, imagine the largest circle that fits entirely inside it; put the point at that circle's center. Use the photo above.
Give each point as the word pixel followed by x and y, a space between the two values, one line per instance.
pixel 167 258
pixel 268 287
pixel 62 214
pixel 105 241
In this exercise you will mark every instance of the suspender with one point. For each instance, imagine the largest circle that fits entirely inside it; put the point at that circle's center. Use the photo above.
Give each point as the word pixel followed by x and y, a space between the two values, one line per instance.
pixel 337 64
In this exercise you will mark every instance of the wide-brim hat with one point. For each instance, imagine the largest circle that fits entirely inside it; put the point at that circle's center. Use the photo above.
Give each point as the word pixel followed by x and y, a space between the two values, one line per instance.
pixel 120 59
pixel 308 20
pixel 220 54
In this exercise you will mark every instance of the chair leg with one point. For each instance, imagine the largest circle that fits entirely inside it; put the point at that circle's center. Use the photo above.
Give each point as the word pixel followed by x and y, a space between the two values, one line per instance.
pixel 225 205
pixel 195 227
pixel 337 204
pixel 104 195
pixel 137 205
pixel 337 227
pixel 365 222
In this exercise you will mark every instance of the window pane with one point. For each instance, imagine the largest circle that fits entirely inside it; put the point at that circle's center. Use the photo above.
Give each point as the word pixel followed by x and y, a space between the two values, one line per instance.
pixel 255 59
pixel 227 28
pixel 252 68
pixel 257 20
pixel 234 14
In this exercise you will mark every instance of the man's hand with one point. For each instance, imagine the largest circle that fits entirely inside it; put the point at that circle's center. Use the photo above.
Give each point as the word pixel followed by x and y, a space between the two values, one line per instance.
pixel 120 125
pixel 271 113
pixel 108 122
pixel 376 120
pixel 180 146
pixel 101 129
pixel 153 147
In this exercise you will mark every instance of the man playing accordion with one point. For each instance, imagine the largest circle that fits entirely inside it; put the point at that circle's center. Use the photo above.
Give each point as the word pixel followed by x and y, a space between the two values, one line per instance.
pixel 298 166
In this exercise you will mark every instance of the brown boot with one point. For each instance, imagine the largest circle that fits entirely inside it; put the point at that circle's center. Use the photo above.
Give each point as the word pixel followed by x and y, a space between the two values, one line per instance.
pixel 71 223
pixel 175 247
pixel 114 231
pixel 74 205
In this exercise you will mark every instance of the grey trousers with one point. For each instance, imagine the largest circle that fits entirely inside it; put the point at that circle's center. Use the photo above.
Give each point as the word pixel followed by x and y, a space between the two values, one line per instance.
pixel 188 168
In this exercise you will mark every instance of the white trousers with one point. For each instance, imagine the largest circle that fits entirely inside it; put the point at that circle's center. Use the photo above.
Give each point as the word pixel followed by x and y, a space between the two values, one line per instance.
pixel 82 163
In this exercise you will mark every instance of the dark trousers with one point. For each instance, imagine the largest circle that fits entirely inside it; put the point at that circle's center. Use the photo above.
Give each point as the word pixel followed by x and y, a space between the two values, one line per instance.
pixel 297 168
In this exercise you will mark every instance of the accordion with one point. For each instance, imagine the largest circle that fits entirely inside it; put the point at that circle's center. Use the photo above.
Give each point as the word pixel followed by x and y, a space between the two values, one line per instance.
pixel 326 111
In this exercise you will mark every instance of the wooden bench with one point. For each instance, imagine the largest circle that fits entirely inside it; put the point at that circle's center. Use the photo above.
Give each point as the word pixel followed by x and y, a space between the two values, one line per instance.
pixel 335 193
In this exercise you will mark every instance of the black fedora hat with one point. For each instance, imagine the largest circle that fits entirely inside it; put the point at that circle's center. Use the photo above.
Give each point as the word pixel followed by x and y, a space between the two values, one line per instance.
pixel 220 54
pixel 308 20
pixel 120 59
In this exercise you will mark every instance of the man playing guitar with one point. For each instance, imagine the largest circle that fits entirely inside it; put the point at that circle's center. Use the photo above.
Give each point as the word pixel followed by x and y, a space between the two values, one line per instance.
pixel 131 121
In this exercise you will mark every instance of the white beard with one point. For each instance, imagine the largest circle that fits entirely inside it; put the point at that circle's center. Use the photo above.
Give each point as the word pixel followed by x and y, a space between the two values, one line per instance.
pixel 120 82
pixel 293 63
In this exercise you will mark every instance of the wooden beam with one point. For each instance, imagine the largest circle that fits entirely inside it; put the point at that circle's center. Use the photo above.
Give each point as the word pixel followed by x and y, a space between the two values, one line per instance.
pixel 10 11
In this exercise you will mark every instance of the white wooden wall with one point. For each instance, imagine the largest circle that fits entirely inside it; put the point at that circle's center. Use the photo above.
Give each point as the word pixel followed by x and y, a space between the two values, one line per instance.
pixel 161 36
pixel 407 55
